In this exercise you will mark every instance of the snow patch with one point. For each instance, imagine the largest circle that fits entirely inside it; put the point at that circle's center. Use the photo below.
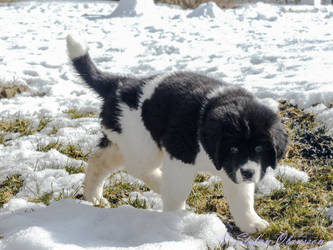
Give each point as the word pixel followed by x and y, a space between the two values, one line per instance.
pixel 66 224
pixel 210 10
pixel 151 199
pixel 269 183
pixel 133 8
pixel 264 12
pixel 327 246
pixel 18 205
pixel 291 174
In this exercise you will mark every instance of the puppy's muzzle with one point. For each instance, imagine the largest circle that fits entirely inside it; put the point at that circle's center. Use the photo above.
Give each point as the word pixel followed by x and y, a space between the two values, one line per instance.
pixel 247 174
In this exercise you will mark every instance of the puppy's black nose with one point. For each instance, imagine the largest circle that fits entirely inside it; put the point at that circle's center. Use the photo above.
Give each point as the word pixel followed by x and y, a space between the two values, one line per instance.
pixel 247 173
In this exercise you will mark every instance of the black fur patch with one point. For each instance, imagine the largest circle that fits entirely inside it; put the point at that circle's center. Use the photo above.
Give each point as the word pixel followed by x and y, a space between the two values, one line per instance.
pixel 111 112
pixel 131 91
pixel 172 113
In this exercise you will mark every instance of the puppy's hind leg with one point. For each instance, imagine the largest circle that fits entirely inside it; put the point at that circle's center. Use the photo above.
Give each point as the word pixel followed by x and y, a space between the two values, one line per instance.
pixel 99 166
pixel 153 179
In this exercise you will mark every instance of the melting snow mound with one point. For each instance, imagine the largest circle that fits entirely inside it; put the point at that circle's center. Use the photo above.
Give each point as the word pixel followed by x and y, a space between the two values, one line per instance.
pixel 73 224
pixel 133 8
pixel 209 9
pixel 269 183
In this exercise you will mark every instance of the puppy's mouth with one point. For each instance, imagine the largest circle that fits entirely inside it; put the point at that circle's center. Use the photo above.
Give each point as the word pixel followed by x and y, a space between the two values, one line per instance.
pixel 246 181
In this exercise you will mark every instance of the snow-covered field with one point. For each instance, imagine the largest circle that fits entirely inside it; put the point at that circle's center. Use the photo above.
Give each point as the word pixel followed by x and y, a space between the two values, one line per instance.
pixel 277 52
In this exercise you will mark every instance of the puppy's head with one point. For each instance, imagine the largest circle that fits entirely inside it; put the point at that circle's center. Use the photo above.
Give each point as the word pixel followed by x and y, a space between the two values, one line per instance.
pixel 243 137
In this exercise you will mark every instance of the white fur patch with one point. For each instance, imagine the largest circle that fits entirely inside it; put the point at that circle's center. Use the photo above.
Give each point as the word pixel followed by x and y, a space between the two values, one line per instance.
pixel 135 141
pixel 149 88
pixel 239 177
pixel 176 183
pixel 76 47
pixel 220 90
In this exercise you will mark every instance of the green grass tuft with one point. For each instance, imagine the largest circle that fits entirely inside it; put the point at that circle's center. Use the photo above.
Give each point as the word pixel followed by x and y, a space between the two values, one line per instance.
pixel 75 170
pixel 137 203
pixel 53 131
pixel 45 198
pixel 70 150
pixel 42 124
pixel 75 114
pixel 21 126
pixel 2 139
pixel 116 193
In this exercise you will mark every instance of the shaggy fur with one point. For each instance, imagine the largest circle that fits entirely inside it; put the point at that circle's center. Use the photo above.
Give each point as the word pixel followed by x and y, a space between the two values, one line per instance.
pixel 165 128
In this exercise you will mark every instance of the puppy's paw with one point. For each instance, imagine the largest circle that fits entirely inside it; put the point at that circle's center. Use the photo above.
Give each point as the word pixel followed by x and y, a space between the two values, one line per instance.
pixel 252 224
pixel 101 202
pixel 97 200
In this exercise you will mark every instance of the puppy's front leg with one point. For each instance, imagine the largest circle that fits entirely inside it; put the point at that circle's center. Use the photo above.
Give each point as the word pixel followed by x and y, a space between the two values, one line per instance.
pixel 176 183
pixel 241 202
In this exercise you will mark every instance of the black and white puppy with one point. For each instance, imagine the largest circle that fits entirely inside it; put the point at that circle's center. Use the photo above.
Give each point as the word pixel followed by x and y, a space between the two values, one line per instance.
pixel 164 129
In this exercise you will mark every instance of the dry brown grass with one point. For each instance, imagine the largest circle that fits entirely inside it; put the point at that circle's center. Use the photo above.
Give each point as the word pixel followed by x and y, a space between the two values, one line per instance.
pixel 10 90
pixel 9 187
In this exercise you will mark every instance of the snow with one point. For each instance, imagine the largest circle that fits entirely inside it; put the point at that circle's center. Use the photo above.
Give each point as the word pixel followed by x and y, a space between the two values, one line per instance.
pixel 327 246
pixel 269 183
pixel 133 8
pixel 151 199
pixel 205 10
pixel 275 51
pixel 66 224
pixel 291 174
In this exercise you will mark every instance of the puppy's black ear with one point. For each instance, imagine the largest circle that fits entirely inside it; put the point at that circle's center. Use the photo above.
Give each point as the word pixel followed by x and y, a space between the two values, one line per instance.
pixel 269 158
pixel 218 157
pixel 279 140
pixel 211 141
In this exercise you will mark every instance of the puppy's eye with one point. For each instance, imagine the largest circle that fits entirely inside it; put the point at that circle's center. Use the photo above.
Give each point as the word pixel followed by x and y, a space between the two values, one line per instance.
pixel 258 149
pixel 234 150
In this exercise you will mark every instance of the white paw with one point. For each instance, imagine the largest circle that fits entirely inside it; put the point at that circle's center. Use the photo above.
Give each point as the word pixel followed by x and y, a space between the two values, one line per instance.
pixel 97 200
pixel 252 224
pixel 101 202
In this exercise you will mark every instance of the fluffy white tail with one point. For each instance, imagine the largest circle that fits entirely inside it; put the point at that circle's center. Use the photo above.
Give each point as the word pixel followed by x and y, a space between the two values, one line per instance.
pixel 76 47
